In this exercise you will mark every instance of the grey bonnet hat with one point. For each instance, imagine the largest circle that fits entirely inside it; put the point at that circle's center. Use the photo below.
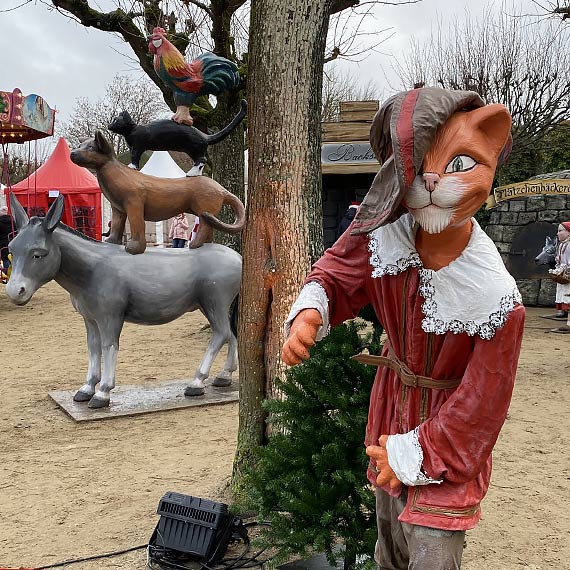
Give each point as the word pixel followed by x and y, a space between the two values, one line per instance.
pixel 402 132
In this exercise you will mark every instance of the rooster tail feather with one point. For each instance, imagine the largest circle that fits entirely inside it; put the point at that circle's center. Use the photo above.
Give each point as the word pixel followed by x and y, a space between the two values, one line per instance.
pixel 218 74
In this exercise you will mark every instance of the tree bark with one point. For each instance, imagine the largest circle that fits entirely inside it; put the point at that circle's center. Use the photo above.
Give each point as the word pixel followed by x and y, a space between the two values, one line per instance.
pixel 227 161
pixel 227 157
pixel 283 233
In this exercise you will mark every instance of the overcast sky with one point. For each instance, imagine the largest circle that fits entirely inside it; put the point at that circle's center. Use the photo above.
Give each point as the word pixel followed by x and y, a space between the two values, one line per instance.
pixel 46 53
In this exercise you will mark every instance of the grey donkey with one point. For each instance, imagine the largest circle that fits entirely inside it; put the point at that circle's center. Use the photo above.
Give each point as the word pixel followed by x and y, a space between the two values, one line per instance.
pixel 109 286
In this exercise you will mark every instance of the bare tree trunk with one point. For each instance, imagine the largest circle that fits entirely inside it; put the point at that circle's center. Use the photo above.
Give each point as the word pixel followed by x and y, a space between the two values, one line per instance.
pixel 283 233
pixel 227 161
pixel 226 157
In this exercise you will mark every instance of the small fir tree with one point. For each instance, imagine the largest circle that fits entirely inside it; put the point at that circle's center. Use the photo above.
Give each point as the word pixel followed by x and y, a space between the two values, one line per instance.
pixel 309 481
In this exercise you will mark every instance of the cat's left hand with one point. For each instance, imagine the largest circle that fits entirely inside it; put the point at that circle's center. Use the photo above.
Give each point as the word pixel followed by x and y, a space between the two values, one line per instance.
pixel 379 455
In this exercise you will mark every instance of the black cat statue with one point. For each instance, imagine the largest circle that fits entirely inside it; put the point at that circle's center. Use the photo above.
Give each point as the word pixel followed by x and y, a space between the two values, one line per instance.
pixel 167 135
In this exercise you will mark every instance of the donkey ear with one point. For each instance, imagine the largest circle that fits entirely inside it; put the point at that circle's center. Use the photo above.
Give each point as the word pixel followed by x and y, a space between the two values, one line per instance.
pixel 102 143
pixel 18 212
pixel 54 214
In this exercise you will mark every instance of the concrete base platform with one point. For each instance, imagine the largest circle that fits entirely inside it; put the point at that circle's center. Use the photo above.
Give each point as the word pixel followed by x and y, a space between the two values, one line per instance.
pixel 134 400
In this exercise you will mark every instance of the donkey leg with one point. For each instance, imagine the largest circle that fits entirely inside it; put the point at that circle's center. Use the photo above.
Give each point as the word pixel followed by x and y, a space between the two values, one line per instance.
pixel 218 339
pixel 110 331
pixel 94 369
pixel 224 378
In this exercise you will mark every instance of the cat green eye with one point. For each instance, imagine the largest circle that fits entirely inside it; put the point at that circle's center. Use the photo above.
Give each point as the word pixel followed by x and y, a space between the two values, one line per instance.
pixel 460 163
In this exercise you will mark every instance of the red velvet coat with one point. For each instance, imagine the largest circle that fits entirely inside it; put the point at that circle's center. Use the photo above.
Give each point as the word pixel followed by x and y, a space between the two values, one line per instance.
pixel 458 427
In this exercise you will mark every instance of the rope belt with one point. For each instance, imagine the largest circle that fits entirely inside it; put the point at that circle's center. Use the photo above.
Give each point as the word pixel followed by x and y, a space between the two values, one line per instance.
pixel 405 375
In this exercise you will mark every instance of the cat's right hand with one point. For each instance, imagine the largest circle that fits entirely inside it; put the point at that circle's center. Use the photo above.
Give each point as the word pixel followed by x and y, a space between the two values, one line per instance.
pixel 302 336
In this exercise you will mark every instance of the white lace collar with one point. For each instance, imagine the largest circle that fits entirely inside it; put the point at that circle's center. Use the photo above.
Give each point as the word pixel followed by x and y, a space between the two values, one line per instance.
pixel 473 294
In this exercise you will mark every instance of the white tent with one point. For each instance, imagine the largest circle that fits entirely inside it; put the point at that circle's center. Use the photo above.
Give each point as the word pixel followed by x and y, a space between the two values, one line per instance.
pixel 161 164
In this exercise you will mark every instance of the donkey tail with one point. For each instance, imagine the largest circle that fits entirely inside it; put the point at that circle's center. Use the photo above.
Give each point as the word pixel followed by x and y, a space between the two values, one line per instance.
pixel 223 133
pixel 239 210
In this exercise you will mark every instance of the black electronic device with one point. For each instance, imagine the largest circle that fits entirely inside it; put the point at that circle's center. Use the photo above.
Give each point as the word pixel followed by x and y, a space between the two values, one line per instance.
pixel 195 527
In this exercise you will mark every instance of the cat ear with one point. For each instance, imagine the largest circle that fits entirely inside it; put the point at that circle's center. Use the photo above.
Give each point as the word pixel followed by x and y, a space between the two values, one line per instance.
pixel 494 121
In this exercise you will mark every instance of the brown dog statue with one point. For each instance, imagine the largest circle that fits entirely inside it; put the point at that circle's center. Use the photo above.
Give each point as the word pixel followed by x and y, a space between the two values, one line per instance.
pixel 140 197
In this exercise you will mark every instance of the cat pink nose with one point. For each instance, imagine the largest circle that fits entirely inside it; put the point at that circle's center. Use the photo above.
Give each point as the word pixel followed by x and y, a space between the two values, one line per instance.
pixel 430 180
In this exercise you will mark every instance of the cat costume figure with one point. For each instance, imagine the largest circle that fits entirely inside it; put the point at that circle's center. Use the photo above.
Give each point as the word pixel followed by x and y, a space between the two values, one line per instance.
pixel 451 311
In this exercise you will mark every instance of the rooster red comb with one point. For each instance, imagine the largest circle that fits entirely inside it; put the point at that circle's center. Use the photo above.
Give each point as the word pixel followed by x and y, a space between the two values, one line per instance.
pixel 159 31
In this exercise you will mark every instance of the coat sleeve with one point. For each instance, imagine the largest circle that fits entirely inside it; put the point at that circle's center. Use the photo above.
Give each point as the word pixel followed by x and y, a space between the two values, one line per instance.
pixel 343 271
pixel 459 439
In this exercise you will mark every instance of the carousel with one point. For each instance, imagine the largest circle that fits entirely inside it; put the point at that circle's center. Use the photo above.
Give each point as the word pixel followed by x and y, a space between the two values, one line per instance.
pixel 23 118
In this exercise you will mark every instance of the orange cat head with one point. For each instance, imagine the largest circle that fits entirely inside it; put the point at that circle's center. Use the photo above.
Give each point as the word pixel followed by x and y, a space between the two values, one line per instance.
pixel 457 171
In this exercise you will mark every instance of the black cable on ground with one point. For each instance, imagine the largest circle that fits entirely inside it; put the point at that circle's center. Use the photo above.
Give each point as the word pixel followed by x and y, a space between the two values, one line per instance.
pixel 224 564
pixel 86 559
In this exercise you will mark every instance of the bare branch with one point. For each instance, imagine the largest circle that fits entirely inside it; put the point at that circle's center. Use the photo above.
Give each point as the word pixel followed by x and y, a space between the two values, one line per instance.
pixel 340 5
pixel 509 59
pixel 203 6
pixel 339 86
pixel 16 7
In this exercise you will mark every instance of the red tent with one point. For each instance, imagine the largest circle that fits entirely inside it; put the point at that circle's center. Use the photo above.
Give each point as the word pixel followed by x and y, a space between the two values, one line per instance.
pixel 58 175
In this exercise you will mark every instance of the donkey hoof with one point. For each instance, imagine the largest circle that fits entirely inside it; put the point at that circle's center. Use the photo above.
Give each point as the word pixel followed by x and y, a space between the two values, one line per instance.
pixel 220 382
pixel 194 391
pixel 82 396
pixel 95 402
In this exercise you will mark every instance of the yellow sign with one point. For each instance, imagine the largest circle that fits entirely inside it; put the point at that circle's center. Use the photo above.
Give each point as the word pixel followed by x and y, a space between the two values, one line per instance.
pixel 549 186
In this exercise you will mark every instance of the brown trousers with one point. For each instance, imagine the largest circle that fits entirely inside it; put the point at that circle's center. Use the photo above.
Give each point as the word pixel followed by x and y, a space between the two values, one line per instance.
pixel 402 546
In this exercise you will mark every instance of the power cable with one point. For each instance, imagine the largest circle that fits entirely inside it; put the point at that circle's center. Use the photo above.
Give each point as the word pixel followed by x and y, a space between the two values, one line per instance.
pixel 85 559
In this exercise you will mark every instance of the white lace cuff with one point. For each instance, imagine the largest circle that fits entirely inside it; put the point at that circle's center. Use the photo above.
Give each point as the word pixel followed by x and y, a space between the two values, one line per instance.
pixel 405 456
pixel 312 296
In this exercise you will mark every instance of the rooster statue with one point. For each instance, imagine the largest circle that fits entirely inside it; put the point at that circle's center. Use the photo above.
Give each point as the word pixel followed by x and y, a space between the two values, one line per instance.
pixel 209 74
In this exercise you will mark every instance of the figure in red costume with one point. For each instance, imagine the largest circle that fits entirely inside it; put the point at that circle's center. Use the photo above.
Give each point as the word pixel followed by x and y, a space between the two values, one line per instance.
pixel 451 311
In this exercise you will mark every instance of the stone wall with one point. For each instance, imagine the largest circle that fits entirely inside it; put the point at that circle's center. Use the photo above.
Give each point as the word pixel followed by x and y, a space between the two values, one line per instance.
pixel 505 223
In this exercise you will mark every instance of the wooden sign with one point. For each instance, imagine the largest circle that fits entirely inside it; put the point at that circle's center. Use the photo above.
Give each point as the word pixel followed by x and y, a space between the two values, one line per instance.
pixel 546 186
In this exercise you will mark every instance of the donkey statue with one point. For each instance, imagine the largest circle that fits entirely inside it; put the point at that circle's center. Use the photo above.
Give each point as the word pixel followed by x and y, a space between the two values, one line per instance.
pixel 109 286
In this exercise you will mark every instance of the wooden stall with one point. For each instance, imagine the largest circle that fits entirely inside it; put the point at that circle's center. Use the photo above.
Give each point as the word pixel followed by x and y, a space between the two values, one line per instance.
pixel 348 164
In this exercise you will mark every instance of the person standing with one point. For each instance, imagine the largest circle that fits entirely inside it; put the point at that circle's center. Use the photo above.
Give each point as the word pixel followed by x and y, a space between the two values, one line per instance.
pixel 6 234
pixel 347 218
pixel 563 267
pixel 195 228
pixel 179 231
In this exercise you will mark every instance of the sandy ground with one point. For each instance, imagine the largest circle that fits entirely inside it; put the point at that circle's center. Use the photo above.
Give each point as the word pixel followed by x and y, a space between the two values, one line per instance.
pixel 71 490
